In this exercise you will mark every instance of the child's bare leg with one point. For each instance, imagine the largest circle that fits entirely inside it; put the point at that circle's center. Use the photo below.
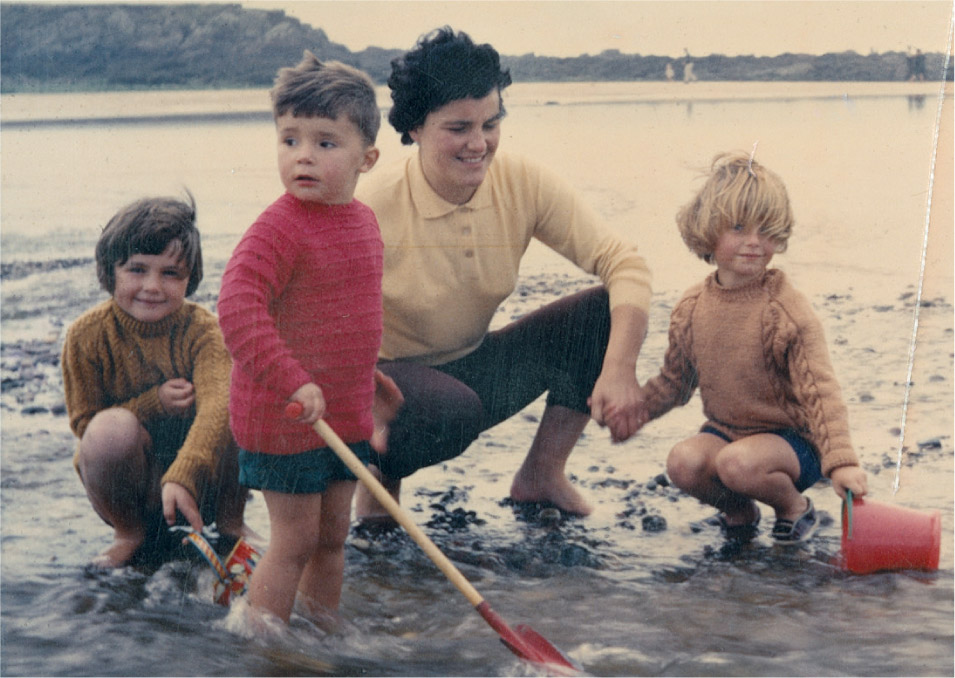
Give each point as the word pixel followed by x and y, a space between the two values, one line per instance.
pixel 294 520
pixel 765 468
pixel 691 465
pixel 118 480
pixel 321 582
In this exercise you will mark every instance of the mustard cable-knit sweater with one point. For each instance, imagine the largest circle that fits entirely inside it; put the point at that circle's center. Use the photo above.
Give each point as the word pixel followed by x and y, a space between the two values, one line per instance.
pixel 759 357
pixel 110 359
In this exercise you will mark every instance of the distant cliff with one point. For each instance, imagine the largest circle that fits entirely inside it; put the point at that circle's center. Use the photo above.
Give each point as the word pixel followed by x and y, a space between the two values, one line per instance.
pixel 101 47
pixel 83 47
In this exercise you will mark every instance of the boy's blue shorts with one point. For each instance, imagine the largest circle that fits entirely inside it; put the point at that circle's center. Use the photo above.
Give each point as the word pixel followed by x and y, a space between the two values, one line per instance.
pixel 308 472
pixel 810 472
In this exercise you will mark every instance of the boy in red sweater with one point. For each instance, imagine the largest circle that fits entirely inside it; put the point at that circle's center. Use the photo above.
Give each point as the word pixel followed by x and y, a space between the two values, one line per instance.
pixel 755 348
pixel 300 309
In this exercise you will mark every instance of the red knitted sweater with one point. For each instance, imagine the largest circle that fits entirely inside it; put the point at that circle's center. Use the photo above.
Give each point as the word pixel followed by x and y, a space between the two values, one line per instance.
pixel 301 302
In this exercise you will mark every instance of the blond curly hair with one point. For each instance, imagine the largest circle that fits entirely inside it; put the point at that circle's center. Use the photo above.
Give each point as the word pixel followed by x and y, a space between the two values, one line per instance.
pixel 738 190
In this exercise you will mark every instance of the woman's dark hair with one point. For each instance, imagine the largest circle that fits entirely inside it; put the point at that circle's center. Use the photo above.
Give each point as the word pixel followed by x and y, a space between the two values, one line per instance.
pixel 147 226
pixel 443 67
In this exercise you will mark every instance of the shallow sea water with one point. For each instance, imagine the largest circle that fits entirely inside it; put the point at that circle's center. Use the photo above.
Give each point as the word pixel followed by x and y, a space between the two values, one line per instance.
pixel 644 586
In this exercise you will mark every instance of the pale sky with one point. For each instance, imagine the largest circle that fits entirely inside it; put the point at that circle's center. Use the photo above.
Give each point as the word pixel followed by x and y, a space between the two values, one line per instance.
pixel 657 27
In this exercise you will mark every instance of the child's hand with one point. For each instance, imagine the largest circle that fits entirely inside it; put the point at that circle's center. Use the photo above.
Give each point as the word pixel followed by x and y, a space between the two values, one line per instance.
pixel 177 397
pixel 175 496
pixel 849 478
pixel 388 400
pixel 312 401
pixel 619 403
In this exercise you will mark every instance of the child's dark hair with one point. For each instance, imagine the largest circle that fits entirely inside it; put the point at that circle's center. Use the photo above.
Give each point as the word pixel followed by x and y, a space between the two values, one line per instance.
pixel 327 90
pixel 443 67
pixel 147 226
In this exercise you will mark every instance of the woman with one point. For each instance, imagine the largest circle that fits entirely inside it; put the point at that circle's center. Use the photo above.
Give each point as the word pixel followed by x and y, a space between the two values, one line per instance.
pixel 456 218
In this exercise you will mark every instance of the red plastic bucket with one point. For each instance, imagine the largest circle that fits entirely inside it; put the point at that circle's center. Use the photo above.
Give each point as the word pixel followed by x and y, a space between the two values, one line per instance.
pixel 877 536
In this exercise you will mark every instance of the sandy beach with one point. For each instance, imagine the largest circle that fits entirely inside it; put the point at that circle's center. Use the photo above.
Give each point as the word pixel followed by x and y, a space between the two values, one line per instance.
pixel 640 587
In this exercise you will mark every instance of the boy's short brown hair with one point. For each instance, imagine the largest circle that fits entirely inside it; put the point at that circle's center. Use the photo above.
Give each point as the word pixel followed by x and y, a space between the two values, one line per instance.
pixel 327 90
pixel 738 190
pixel 147 226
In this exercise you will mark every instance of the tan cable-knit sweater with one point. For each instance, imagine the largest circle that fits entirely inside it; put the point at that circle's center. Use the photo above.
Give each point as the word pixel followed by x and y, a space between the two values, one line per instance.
pixel 759 357
pixel 110 359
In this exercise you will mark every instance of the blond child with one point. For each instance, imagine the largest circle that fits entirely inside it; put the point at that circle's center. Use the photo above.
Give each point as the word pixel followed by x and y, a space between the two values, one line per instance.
pixel 146 378
pixel 300 308
pixel 776 421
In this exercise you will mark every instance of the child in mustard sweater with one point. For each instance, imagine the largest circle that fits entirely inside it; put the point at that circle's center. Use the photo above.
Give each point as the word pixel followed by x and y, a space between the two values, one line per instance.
pixel 146 377
pixel 776 421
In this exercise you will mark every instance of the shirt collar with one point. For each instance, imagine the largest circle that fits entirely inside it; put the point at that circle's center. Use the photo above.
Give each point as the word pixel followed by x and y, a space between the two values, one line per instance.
pixel 433 206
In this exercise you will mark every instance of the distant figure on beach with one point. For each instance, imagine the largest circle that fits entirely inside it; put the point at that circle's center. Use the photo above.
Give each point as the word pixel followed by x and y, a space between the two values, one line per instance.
pixel 776 421
pixel 300 308
pixel 688 74
pixel 917 66
pixel 668 72
pixel 457 217
pixel 146 378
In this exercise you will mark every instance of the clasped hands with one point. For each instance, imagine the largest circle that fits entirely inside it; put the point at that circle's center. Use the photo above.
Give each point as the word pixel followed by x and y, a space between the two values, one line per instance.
pixel 618 403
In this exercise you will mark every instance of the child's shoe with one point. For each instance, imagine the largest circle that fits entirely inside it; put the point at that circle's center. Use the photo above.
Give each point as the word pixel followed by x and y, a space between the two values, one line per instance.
pixel 796 531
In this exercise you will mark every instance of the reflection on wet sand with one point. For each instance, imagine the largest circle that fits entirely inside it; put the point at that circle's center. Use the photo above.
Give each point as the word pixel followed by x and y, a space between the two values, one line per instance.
pixel 643 586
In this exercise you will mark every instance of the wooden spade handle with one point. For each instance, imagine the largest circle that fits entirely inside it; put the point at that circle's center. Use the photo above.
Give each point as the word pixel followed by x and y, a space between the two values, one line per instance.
pixel 522 641
pixel 401 516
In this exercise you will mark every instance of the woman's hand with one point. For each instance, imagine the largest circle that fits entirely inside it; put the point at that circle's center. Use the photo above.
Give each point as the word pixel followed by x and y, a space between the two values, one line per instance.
pixel 849 478
pixel 617 400
pixel 618 403
pixel 176 497
pixel 310 397
pixel 388 400
pixel 177 397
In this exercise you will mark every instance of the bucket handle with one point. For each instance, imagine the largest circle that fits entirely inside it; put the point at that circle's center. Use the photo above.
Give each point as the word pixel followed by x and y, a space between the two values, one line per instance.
pixel 848 503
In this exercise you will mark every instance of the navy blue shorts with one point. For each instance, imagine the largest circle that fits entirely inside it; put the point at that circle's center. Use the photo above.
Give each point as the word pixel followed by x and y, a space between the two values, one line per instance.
pixel 810 472
pixel 308 472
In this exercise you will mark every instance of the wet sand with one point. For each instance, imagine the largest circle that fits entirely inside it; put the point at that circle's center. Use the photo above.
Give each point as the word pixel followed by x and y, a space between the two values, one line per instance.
pixel 643 586
pixel 644 539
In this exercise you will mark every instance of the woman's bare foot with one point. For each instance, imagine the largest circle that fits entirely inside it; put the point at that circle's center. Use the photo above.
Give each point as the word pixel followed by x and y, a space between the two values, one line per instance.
pixel 541 477
pixel 556 490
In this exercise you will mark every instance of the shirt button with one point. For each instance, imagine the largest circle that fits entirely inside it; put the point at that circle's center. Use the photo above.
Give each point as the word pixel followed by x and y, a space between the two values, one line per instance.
pixel 469 254
pixel 466 230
